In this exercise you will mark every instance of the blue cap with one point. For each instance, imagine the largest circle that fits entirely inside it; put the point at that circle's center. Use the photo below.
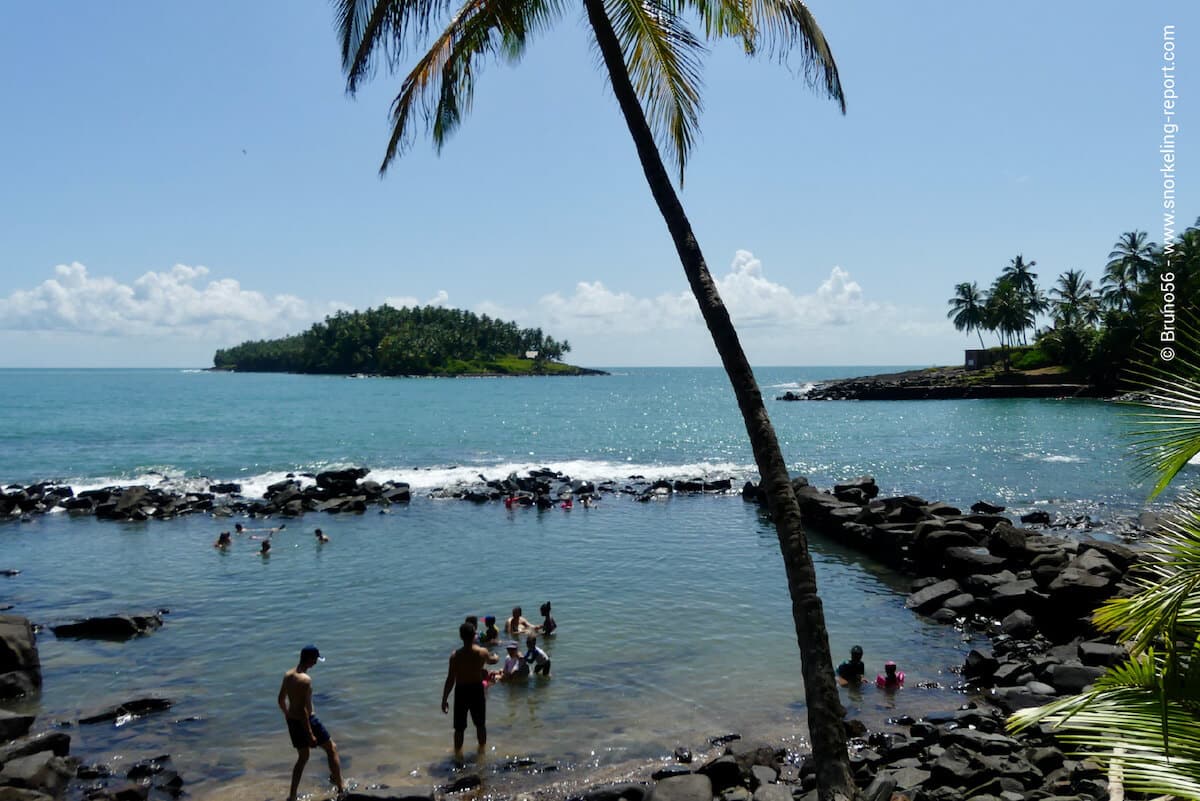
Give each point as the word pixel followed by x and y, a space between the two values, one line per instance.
pixel 311 651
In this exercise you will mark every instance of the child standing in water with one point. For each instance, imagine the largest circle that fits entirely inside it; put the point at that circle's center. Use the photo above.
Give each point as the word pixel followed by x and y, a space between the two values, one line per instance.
pixel 891 678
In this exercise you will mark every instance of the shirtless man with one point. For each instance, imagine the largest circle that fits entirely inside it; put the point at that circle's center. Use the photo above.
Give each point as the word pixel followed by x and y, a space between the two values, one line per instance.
pixel 516 624
pixel 465 677
pixel 295 699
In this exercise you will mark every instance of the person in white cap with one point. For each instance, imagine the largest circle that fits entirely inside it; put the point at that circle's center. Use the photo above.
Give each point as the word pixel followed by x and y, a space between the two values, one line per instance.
pixel 295 699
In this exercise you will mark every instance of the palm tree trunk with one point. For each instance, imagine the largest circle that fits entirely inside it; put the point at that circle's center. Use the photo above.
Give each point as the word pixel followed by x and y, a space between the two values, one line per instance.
pixel 825 711
pixel 979 333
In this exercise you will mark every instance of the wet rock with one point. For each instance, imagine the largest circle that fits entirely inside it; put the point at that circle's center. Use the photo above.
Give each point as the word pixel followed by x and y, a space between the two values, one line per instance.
pixel 22 794
pixel 130 709
pixel 961 562
pixel 1121 556
pixel 760 775
pixel 416 793
pixel 683 755
pixel 20 668
pixel 773 792
pixel 880 788
pixel 668 771
pixel 131 791
pixel 1071 679
pixel 13 726
pixel 930 598
pixel 626 791
pixel 959 604
pixel 43 771
pixel 97 771
pixel 980 666
pixel 735 794
pixel 1019 623
pixel 148 767
pixel 472 780
pixel 983 507
pixel 227 488
pixel 723 772
pixel 1101 654
pixel 1036 518
pixel 57 743
pixel 114 627
pixel 693 787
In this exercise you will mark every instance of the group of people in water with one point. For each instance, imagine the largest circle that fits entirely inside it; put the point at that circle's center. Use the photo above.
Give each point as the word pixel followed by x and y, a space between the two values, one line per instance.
pixel 852 672
pixel 225 539
pixel 468 676
pixel 544 501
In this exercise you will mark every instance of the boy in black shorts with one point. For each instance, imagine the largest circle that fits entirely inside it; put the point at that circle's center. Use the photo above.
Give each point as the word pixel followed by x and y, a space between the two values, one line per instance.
pixel 295 699
pixel 465 677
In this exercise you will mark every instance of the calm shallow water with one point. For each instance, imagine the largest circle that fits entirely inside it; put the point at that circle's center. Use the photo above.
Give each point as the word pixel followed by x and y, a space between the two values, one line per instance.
pixel 675 620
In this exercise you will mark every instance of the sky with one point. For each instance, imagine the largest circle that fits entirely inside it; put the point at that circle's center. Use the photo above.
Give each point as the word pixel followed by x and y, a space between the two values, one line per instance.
pixel 180 177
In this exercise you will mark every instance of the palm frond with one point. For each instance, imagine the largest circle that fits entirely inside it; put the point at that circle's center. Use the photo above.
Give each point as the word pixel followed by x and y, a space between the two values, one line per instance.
pixel 663 58
pixel 786 24
pixel 1124 719
pixel 441 84
pixel 370 28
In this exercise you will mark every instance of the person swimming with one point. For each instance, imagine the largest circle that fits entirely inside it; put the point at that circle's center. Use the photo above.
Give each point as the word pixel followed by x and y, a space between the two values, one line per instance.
pixel 490 634
pixel 224 540
pixel 547 625
pixel 852 671
pixel 891 678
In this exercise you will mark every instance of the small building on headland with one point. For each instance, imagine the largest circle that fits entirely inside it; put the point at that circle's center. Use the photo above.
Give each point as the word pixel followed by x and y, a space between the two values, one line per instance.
pixel 976 359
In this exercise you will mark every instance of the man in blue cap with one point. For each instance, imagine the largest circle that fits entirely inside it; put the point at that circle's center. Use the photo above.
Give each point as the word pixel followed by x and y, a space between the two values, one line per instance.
pixel 295 699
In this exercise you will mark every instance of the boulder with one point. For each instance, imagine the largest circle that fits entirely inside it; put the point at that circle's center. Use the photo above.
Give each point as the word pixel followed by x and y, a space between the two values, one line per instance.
pixel 55 742
pixel 1101 654
pixel 962 562
pixel 1007 540
pixel 930 598
pixel 1019 624
pixel 43 771
pixel 418 793
pixel 1077 592
pixel 1038 517
pixel 227 488
pixel 619 791
pixel 13 726
pixel 1119 555
pixel 20 668
pixel 983 507
pixel 772 792
pixel 114 627
pixel 22 794
pixel 863 484
pixel 959 604
pixel 135 708
pixel 979 666
pixel 693 787
pixel 723 772
pixel 1071 679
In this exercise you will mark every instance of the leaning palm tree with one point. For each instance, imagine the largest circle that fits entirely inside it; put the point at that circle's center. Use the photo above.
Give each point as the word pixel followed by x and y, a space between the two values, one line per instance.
pixel 1023 279
pixel 967 309
pixel 652 59
pixel 1142 718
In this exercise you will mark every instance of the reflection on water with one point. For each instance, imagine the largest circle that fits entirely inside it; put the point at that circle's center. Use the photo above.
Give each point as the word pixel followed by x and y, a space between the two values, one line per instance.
pixel 675 625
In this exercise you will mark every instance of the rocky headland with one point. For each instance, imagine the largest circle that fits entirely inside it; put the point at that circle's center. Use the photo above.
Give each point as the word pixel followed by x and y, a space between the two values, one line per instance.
pixel 948 383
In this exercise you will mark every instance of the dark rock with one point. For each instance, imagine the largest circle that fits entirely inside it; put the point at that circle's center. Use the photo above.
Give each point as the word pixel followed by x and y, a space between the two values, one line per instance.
pixel 1119 555
pixel 416 793
pixel 1071 679
pixel 472 780
pixel 683 755
pixel 55 742
pixel 980 741
pixel 773 792
pixel 115 627
pixel 959 604
pixel 760 775
pixel 1101 654
pixel 983 507
pixel 880 788
pixel 228 488
pixel 169 782
pixel 931 597
pixel 957 767
pixel 723 771
pixel 722 739
pixel 13 726
pixel 668 771
pixel 961 562
pixel 738 793
pixel 131 791
pixel 910 778
pixel 1018 623
pixel 1036 518
pixel 148 767
pixel 43 771
pixel 1007 540
pixel 749 753
pixel 97 771
pixel 945 616
pixel 980 666
pixel 134 709
pixel 854 728
pixel 864 484
pixel 693 787
pixel 19 664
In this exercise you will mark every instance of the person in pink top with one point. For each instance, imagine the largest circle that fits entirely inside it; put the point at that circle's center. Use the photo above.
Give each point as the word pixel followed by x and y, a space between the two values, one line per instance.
pixel 891 677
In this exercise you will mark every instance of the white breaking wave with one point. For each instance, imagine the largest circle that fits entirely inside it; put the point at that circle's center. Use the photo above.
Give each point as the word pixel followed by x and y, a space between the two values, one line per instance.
pixel 1053 457
pixel 428 478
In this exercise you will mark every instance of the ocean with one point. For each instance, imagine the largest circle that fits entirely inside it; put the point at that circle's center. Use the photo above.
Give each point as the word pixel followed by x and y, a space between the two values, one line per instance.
pixel 674 617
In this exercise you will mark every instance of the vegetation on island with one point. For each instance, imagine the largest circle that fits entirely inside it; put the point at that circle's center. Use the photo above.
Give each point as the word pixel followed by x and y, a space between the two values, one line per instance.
pixel 1096 332
pixel 409 341
pixel 1142 718
pixel 652 57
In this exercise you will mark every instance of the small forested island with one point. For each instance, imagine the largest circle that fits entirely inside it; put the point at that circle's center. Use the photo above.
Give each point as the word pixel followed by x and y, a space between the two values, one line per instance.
pixel 417 341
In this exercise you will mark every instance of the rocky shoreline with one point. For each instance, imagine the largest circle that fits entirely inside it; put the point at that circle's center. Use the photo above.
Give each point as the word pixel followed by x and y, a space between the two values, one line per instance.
pixel 944 383
pixel 1029 592
pixel 332 491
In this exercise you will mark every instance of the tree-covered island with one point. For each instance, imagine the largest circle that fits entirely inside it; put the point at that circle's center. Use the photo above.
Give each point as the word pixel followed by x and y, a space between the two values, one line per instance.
pixel 421 341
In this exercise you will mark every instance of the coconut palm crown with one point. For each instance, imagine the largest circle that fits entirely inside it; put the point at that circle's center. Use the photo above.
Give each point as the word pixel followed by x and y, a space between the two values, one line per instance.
pixel 653 59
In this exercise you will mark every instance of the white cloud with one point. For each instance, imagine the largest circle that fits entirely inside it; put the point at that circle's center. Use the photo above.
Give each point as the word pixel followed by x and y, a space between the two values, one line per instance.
pixel 407 301
pixel 172 303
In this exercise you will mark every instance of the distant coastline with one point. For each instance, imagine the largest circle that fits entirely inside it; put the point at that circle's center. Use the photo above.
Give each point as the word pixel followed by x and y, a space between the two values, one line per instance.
pixel 503 368
pixel 952 383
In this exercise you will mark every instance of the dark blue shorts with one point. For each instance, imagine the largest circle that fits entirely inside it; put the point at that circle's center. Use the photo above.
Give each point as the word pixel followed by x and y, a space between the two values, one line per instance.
pixel 299 734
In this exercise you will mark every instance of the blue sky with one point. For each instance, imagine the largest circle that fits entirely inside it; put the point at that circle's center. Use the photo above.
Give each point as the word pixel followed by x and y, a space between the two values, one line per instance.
pixel 180 177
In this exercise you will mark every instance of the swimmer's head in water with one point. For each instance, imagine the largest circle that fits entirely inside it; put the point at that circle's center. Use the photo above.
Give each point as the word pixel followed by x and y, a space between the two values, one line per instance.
pixel 239 527
pixel 490 619
pixel 531 641
pixel 889 667
pixel 516 612
pixel 545 609
pixel 856 652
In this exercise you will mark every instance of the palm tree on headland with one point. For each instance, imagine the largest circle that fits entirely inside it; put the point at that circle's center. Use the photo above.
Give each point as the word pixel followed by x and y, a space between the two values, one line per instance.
pixel 652 59
pixel 1130 262
pixel 1075 301
pixel 968 309
pixel 1023 279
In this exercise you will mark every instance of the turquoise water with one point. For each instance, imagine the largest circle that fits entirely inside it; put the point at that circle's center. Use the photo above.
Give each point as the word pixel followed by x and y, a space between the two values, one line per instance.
pixel 675 620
